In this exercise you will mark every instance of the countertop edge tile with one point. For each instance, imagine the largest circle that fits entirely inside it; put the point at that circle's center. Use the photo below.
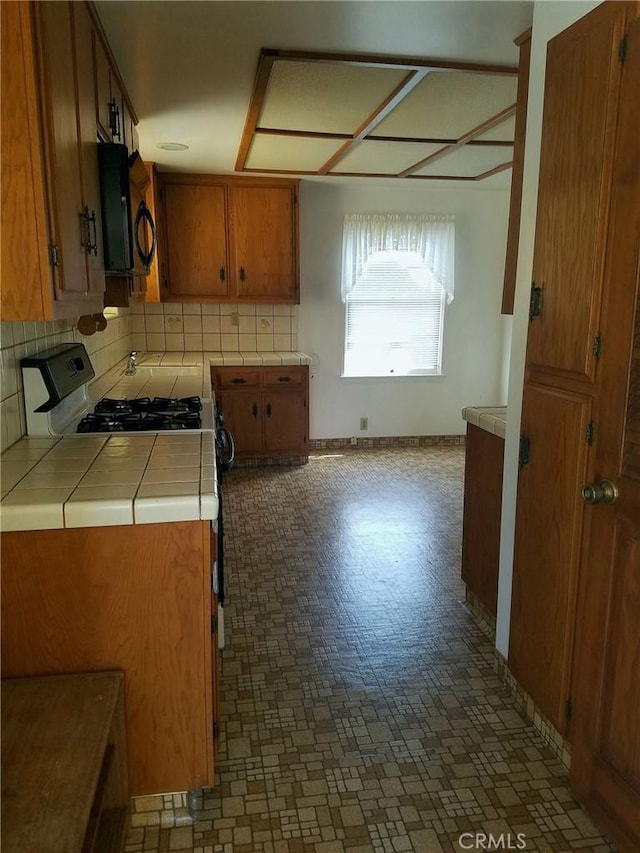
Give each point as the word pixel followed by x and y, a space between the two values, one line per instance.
pixel 491 419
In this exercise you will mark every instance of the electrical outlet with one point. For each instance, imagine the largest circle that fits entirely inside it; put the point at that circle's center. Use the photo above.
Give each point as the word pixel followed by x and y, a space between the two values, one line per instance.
pixel 235 319
pixel 354 440
pixel 364 423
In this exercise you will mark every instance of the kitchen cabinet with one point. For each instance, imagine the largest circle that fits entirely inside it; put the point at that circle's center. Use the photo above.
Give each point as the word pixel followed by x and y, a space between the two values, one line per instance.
pixel 559 426
pixel 266 409
pixel 229 239
pixel 133 598
pixel 113 113
pixel 60 178
pixel 515 203
pixel 51 237
pixel 484 463
pixel 64 759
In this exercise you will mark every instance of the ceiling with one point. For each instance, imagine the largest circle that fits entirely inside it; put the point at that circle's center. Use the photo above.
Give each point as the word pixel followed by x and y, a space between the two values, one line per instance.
pixel 190 68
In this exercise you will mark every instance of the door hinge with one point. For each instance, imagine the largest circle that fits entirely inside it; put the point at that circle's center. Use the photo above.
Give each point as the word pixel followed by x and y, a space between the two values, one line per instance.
pixel 622 48
pixel 216 731
pixel 525 446
pixel 54 258
pixel 568 708
pixel 214 624
pixel 304 404
pixel 590 430
pixel 597 346
pixel 165 282
pixel 535 301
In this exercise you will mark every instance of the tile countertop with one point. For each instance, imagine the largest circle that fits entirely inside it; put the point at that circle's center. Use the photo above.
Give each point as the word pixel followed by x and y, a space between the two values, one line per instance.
pixel 104 480
pixel 490 418
pixel 192 382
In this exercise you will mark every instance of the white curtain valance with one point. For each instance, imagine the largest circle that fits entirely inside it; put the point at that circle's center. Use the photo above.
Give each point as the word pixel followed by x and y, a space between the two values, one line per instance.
pixel 432 237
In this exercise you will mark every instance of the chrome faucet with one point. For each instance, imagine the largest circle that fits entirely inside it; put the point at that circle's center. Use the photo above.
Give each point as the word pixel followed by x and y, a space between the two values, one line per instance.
pixel 131 364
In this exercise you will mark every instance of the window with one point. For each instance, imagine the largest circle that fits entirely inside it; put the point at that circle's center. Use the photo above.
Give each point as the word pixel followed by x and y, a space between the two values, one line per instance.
pixel 397 276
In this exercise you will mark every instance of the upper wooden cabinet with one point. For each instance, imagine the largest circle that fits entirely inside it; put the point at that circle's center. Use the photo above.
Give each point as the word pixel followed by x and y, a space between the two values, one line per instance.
pixel 515 204
pixel 113 112
pixel 229 239
pixel 580 110
pixel 52 260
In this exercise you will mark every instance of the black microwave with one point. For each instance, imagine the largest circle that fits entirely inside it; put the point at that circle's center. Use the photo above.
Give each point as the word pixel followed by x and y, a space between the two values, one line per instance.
pixel 128 230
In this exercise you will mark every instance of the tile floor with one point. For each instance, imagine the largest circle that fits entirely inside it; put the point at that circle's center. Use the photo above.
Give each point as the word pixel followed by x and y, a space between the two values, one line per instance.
pixel 360 708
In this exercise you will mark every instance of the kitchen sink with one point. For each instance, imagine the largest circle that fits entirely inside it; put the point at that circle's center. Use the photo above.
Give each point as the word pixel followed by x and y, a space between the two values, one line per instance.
pixel 168 370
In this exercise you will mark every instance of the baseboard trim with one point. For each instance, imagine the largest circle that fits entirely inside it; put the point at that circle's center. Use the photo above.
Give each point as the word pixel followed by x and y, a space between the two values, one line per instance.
pixel 358 443
pixel 551 737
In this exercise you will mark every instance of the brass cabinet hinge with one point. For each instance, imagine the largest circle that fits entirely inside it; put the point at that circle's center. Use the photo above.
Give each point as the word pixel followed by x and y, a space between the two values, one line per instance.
pixel 568 708
pixel 54 258
pixel 597 346
pixel 525 447
pixel 590 431
pixel 622 48
pixel 535 301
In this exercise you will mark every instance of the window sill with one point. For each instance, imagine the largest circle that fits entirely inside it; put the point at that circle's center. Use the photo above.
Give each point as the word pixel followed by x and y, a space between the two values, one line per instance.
pixel 394 376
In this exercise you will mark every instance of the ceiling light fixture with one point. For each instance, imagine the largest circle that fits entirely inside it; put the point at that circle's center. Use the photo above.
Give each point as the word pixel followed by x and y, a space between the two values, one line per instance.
pixel 172 146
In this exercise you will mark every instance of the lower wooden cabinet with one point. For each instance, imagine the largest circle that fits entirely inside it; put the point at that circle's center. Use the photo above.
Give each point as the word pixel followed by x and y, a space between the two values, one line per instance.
pixel 133 598
pixel 484 458
pixel 64 764
pixel 266 409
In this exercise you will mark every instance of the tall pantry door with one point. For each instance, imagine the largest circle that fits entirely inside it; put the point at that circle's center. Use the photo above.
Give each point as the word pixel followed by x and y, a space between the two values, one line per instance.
pixel 582 86
pixel 605 767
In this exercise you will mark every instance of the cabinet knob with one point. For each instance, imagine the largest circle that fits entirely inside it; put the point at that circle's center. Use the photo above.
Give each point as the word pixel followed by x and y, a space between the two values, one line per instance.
pixel 268 410
pixel 242 275
pixel 221 273
pixel 238 380
pixel 255 410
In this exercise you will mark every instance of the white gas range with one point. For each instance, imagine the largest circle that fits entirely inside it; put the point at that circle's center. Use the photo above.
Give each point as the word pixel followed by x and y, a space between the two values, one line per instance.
pixel 58 401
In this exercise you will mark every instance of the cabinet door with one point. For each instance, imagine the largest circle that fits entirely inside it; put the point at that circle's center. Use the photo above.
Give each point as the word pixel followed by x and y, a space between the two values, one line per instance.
pixel 243 414
pixel 26 285
pixel 547 545
pixel 195 233
pixel 284 421
pixel 56 43
pixel 83 29
pixel 264 242
pixel 581 92
pixel 102 87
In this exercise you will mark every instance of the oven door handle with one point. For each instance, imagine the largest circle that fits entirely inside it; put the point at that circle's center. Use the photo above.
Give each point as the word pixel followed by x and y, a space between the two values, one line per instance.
pixel 227 441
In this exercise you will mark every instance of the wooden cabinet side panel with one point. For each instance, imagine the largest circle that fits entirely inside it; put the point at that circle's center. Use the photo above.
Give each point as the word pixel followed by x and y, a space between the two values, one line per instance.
pixel 581 91
pixel 195 233
pixel 26 282
pixel 131 598
pixel 263 242
pixel 484 462
pixel 515 203
pixel 549 515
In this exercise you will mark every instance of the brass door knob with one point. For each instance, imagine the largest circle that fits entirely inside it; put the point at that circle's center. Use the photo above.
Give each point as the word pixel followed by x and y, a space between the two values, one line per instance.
pixel 604 492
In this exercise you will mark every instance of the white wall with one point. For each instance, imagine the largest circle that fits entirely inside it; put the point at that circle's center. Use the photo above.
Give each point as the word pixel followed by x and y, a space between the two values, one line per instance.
pixel 549 18
pixel 474 328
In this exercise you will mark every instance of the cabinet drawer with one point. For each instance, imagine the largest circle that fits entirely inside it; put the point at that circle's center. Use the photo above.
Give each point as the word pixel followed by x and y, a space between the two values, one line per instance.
pixel 236 377
pixel 284 376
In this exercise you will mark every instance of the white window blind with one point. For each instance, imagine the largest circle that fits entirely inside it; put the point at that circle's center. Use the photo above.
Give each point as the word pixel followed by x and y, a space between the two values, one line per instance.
pixel 394 310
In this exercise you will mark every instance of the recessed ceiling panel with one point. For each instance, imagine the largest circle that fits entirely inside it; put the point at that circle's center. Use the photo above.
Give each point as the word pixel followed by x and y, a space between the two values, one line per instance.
pixel 387 158
pixel 290 153
pixel 326 97
pixel 503 132
pixel 448 104
pixel 468 161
